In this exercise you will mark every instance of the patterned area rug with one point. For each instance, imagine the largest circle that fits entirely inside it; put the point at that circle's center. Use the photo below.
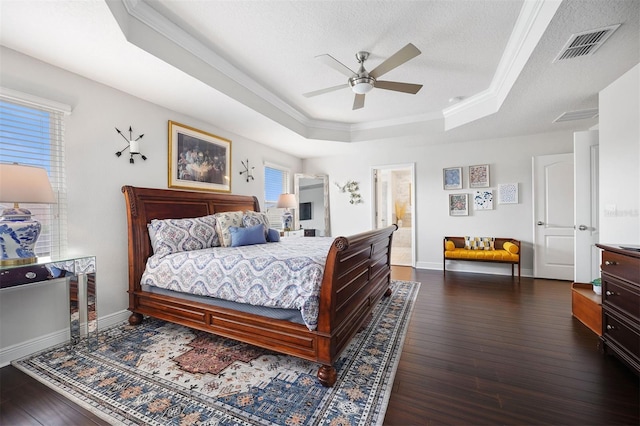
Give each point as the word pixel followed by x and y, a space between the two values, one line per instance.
pixel 159 373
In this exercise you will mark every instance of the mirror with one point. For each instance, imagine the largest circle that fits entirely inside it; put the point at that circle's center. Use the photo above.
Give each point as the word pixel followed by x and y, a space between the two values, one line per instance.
pixel 312 195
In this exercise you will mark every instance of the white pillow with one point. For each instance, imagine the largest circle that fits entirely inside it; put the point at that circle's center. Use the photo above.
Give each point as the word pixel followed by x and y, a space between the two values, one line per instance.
pixel 176 235
pixel 224 221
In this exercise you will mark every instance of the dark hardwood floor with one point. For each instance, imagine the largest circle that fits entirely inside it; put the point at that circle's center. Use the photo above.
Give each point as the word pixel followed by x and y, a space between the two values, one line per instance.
pixel 486 350
pixel 480 349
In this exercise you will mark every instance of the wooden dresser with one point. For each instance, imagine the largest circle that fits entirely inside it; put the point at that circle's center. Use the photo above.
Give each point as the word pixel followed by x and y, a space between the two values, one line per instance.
pixel 621 304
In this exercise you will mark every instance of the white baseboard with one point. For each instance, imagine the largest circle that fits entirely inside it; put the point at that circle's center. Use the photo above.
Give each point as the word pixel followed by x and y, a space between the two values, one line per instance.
pixel 20 350
pixel 429 265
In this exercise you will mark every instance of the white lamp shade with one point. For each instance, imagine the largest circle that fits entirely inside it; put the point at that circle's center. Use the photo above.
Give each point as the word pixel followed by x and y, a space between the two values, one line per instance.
pixel 287 201
pixel 25 184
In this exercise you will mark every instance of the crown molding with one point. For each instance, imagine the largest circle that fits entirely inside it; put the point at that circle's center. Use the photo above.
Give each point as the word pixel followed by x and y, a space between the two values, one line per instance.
pixel 535 16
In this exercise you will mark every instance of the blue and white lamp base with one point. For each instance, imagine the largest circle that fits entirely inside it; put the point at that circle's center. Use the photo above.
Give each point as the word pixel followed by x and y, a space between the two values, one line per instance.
pixel 18 236
pixel 287 220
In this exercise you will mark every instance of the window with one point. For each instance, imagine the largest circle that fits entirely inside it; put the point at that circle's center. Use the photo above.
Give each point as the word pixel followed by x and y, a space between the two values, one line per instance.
pixel 276 182
pixel 32 133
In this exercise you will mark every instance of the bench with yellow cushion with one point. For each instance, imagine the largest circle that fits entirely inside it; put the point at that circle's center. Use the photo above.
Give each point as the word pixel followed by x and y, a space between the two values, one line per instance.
pixel 478 249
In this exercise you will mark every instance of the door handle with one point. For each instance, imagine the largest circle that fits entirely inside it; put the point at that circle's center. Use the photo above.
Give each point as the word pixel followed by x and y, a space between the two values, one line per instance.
pixel 583 227
pixel 540 223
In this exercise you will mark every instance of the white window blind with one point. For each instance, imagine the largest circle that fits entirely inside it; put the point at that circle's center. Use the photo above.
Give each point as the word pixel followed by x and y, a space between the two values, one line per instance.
pixel 33 134
pixel 276 182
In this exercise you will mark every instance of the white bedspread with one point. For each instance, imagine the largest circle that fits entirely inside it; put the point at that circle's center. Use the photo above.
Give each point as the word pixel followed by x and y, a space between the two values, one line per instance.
pixel 287 274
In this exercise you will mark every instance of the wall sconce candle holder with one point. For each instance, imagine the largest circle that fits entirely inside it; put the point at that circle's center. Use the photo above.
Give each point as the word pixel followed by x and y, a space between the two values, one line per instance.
pixel 132 145
pixel 247 170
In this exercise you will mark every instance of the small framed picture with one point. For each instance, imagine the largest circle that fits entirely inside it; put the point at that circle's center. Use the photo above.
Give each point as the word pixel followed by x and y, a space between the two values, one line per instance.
pixel 452 178
pixel 479 176
pixel 458 205
pixel 483 200
pixel 508 193
pixel 198 160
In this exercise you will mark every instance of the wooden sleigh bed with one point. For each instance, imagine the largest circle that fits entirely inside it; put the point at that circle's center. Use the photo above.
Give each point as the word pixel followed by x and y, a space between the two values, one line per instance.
pixel 357 275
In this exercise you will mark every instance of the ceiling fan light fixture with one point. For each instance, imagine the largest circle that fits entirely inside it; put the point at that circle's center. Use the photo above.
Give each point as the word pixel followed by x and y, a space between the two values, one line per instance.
pixel 362 85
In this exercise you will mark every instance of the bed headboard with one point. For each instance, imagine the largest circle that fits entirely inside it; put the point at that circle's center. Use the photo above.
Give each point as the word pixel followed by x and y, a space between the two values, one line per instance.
pixel 144 204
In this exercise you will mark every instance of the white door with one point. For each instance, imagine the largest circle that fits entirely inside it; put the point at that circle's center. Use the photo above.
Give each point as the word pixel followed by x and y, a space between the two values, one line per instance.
pixel 553 216
pixel 587 255
pixel 394 195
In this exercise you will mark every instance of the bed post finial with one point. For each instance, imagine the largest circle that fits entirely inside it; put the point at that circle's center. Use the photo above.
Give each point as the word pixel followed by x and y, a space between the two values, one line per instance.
pixel 128 191
pixel 341 243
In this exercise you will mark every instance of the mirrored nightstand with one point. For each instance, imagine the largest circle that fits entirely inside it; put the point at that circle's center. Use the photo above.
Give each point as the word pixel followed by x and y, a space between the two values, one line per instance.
pixel 79 272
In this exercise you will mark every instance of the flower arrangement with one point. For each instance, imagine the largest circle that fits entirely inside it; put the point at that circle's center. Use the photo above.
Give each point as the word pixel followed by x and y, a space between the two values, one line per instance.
pixel 401 209
pixel 352 187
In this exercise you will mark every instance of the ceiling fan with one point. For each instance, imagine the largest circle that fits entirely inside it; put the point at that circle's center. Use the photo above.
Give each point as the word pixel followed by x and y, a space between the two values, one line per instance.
pixel 363 81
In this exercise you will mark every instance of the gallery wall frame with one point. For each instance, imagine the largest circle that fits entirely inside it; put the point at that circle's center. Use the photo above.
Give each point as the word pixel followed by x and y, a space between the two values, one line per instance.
pixel 458 204
pixel 479 176
pixel 508 193
pixel 452 178
pixel 198 160
pixel 483 200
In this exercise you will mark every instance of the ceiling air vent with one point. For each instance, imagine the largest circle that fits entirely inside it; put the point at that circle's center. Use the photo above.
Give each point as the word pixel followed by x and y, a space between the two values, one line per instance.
pixel 577 115
pixel 585 43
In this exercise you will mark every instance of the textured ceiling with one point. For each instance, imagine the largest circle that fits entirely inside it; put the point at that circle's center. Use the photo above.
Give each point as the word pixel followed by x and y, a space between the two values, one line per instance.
pixel 243 65
pixel 275 42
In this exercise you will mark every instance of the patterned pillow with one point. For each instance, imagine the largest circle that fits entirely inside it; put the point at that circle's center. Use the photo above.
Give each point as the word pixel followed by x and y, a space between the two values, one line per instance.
pixel 175 235
pixel 479 243
pixel 251 218
pixel 224 221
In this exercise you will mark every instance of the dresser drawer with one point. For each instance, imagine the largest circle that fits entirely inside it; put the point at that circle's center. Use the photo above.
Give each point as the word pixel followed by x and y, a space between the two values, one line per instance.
pixel 621 296
pixel 618 265
pixel 621 334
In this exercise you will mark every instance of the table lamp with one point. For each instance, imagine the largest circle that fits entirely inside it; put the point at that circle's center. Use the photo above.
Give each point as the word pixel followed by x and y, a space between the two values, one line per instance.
pixel 19 232
pixel 286 202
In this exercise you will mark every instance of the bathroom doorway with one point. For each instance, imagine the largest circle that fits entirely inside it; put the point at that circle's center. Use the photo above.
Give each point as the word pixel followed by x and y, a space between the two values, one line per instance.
pixel 394 193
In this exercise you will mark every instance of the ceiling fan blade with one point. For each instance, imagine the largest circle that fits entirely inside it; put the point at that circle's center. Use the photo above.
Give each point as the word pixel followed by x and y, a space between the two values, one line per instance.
pixel 335 64
pixel 323 91
pixel 398 87
pixel 400 57
pixel 358 102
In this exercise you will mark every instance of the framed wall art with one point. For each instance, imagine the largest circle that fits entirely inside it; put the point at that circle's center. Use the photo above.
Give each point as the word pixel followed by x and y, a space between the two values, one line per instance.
pixel 452 178
pixel 198 160
pixel 483 200
pixel 508 193
pixel 458 205
pixel 479 176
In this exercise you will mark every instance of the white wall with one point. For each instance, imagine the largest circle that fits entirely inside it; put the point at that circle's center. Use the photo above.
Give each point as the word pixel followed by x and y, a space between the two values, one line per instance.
pixel 97 223
pixel 509 160
pixel 620 160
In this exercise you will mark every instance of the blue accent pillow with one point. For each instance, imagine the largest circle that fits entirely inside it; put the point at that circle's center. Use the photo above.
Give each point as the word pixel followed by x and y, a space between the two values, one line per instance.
pixel 273 235
pixel 247 236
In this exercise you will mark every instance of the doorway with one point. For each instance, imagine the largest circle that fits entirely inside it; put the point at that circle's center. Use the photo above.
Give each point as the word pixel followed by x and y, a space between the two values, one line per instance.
pixel 394 203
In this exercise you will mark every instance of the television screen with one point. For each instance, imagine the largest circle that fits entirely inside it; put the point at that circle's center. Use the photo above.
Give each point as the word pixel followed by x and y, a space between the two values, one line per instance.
pixel 305 211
